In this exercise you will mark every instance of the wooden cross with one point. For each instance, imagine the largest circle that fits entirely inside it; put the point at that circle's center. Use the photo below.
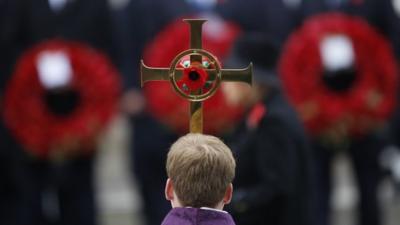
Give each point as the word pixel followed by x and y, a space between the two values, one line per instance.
pixel 207 78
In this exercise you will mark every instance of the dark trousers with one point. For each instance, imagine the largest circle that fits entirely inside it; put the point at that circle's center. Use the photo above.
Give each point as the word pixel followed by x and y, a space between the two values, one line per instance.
pixel 60 194
pixel 151 143
pixel 12 180
pixel 364 154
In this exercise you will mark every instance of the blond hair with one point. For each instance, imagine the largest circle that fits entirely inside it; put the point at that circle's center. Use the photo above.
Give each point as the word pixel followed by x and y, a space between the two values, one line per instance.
pixel 201 168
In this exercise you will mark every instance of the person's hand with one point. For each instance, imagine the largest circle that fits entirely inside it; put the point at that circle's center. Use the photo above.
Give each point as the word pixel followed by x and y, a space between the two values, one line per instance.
pixel 132 102
pixel 76 145
pixel 237 93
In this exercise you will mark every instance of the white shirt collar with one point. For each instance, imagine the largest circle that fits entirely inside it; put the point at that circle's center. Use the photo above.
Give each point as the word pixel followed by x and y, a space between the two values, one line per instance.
pixel 212 209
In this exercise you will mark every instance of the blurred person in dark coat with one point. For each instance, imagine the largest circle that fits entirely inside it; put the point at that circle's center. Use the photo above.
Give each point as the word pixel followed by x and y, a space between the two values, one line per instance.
pixel 364 152
pixel 273 183
pixel 12 181
pixel 54 194
pixel 137 23
pixel 390 158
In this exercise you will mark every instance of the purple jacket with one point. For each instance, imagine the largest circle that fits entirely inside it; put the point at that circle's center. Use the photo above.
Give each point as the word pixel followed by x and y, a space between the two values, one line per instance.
pixel 196 216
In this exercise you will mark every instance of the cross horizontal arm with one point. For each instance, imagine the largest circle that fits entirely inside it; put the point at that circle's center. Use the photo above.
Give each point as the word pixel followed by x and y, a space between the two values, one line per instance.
pixel 243 75
pixel 162 74
pixel 156 74
pixel 152 74
pixel 235 75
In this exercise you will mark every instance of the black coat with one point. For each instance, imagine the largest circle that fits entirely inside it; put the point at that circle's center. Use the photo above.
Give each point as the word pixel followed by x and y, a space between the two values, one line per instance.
pixel 24 23
pixel 273 181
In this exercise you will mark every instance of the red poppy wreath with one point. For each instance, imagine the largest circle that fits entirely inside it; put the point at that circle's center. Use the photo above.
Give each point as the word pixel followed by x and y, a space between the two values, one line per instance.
pixel 61 95
pixel 340 74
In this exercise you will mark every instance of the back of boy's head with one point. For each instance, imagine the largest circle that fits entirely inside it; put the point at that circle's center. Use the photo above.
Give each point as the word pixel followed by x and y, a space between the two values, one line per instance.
pixel 201 168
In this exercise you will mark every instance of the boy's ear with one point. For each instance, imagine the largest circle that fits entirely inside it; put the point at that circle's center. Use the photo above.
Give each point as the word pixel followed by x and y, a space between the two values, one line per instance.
pixel 169 190
pixel 228 194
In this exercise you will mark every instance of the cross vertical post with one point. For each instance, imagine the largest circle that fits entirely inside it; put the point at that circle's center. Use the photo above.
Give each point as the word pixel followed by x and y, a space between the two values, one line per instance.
pixel 196 108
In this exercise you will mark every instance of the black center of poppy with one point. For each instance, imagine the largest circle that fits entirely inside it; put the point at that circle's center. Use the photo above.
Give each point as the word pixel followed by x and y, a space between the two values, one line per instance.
pixel 340 80
pixel 62 102
pixel 194 75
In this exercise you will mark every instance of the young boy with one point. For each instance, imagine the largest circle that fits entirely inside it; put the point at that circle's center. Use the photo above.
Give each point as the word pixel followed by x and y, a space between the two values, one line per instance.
pixel 200 171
